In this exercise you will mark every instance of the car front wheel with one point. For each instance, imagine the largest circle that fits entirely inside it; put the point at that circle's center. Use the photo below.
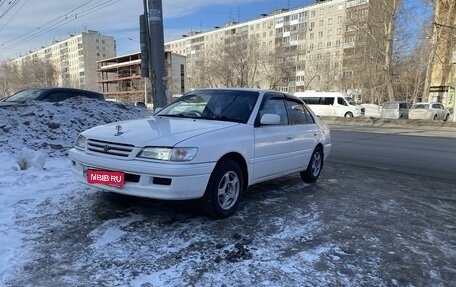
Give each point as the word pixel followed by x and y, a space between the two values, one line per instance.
pixel 314 167
pixel 224 190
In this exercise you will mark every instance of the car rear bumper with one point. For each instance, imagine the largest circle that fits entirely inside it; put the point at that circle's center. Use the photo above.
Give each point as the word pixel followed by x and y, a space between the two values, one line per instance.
pixel 176 181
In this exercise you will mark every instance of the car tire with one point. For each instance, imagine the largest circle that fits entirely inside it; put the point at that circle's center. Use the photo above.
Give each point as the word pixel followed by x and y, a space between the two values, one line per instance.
pixel 435 117
pixel 446 117
pixel 348 115
pixel 224 190
pixel 312 173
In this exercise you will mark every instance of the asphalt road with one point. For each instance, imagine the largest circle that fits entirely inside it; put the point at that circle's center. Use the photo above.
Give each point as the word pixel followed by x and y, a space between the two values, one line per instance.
pixel 429 153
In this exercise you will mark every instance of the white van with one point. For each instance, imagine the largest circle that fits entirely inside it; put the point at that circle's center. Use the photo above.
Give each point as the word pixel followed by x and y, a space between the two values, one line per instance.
pixel 334 104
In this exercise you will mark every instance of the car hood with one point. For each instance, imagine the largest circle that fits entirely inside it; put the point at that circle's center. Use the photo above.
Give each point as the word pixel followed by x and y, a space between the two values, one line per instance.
pixel 154 131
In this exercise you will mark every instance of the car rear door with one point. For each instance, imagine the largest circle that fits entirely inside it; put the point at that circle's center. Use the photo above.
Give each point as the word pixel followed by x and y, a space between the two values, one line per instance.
pixel 304 134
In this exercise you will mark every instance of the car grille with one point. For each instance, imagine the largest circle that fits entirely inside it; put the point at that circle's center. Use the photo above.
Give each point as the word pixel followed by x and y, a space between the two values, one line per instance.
pixel 104 147
pixel 363 111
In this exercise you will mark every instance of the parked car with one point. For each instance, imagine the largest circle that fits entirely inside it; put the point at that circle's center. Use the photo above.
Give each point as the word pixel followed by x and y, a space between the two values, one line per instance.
pixel 429 111
pixel 209 144
pixel 48 94
pixel 335 104
pixel 395 110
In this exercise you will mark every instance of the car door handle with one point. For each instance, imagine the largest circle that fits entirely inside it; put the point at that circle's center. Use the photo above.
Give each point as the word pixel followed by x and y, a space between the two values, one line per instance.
pixel 289 138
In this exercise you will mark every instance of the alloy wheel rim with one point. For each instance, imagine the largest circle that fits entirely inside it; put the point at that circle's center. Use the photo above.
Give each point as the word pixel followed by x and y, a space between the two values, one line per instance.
pixel 316 164
pixel 228 190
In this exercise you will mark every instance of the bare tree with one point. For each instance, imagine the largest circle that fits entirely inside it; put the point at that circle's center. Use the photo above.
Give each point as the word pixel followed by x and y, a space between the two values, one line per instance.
pixel 372 28
pixel 32 73
pixel 278 66
pixel 441 42
pixel 234 64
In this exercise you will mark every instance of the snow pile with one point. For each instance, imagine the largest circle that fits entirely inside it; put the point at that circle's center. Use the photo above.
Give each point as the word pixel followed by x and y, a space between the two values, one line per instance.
pixel 52 127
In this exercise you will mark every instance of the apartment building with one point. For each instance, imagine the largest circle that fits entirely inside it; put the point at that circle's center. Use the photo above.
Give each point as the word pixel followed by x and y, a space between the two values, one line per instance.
pixel 308 48
pixel 75 58
pixel 443 76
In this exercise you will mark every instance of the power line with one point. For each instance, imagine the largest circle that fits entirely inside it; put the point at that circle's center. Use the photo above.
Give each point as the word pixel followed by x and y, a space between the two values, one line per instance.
pixel 12 17
pixel 11 6
pixel 55 23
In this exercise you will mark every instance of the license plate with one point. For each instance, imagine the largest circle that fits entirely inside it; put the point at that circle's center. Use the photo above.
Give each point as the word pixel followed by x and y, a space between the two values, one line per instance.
pixel 113 178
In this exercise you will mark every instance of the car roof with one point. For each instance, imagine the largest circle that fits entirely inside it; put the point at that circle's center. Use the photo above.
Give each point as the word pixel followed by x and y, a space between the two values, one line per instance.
pixel 246 89
pixel 396 102
pixel 63 89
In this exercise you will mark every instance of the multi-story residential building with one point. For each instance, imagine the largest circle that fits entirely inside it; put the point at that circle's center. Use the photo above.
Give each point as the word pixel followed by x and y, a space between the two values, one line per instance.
pixel 443 76
pixel 121 77
pixel 308 48
pixel 75 59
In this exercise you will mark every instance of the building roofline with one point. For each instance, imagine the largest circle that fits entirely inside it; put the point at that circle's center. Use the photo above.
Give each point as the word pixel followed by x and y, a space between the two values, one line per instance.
pixel 240 24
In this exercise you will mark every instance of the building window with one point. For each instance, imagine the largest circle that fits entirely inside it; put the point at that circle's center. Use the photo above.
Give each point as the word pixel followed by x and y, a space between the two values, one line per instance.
pixel 348 74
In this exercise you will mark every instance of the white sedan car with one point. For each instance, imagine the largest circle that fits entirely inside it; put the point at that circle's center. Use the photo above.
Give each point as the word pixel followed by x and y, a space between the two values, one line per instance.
pixel 429 111
pixel 209 144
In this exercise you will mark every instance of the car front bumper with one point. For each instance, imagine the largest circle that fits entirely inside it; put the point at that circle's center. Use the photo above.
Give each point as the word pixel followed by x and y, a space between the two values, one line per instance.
pixel 175 181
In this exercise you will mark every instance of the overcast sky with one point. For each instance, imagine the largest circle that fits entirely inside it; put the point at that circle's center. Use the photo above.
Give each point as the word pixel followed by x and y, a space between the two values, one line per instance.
pixel 27 25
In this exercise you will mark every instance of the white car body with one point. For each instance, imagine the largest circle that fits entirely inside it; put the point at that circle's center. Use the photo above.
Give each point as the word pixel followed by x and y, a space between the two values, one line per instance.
pixel 429 111
pixel 264 152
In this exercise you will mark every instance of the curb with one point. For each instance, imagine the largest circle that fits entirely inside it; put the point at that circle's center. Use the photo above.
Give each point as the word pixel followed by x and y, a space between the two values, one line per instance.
pixel 391 123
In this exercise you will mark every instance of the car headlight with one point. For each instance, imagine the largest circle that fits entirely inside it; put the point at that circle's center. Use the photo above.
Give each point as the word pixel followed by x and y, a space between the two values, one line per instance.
pixel 168 153
pixel 80 142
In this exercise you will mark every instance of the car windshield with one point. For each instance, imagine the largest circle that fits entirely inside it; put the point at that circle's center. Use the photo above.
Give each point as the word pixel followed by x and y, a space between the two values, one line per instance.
pixel 351 101
pixel 25 95
pixel 421 106
pixel 223 105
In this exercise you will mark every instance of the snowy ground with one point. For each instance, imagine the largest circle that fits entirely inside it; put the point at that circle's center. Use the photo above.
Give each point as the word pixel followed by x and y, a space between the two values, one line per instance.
pixel 355 227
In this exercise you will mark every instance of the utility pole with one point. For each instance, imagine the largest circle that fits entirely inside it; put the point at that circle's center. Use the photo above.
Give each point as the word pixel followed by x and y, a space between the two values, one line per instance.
pixel 153 50
pixel 453 96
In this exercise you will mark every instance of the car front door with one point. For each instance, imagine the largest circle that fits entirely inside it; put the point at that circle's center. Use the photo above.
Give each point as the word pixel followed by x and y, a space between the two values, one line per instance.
pixel 272 142
pixel 278 148
pixel 435 108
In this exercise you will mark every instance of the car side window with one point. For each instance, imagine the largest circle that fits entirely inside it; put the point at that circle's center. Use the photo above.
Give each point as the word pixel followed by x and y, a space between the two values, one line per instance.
pixel 57 96
pixel 275 105
pixel 341 101
pixel 298 113
pixel 328 101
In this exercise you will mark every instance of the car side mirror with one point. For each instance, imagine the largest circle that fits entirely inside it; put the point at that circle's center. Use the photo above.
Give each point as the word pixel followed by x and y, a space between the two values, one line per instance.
pixel 270 119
